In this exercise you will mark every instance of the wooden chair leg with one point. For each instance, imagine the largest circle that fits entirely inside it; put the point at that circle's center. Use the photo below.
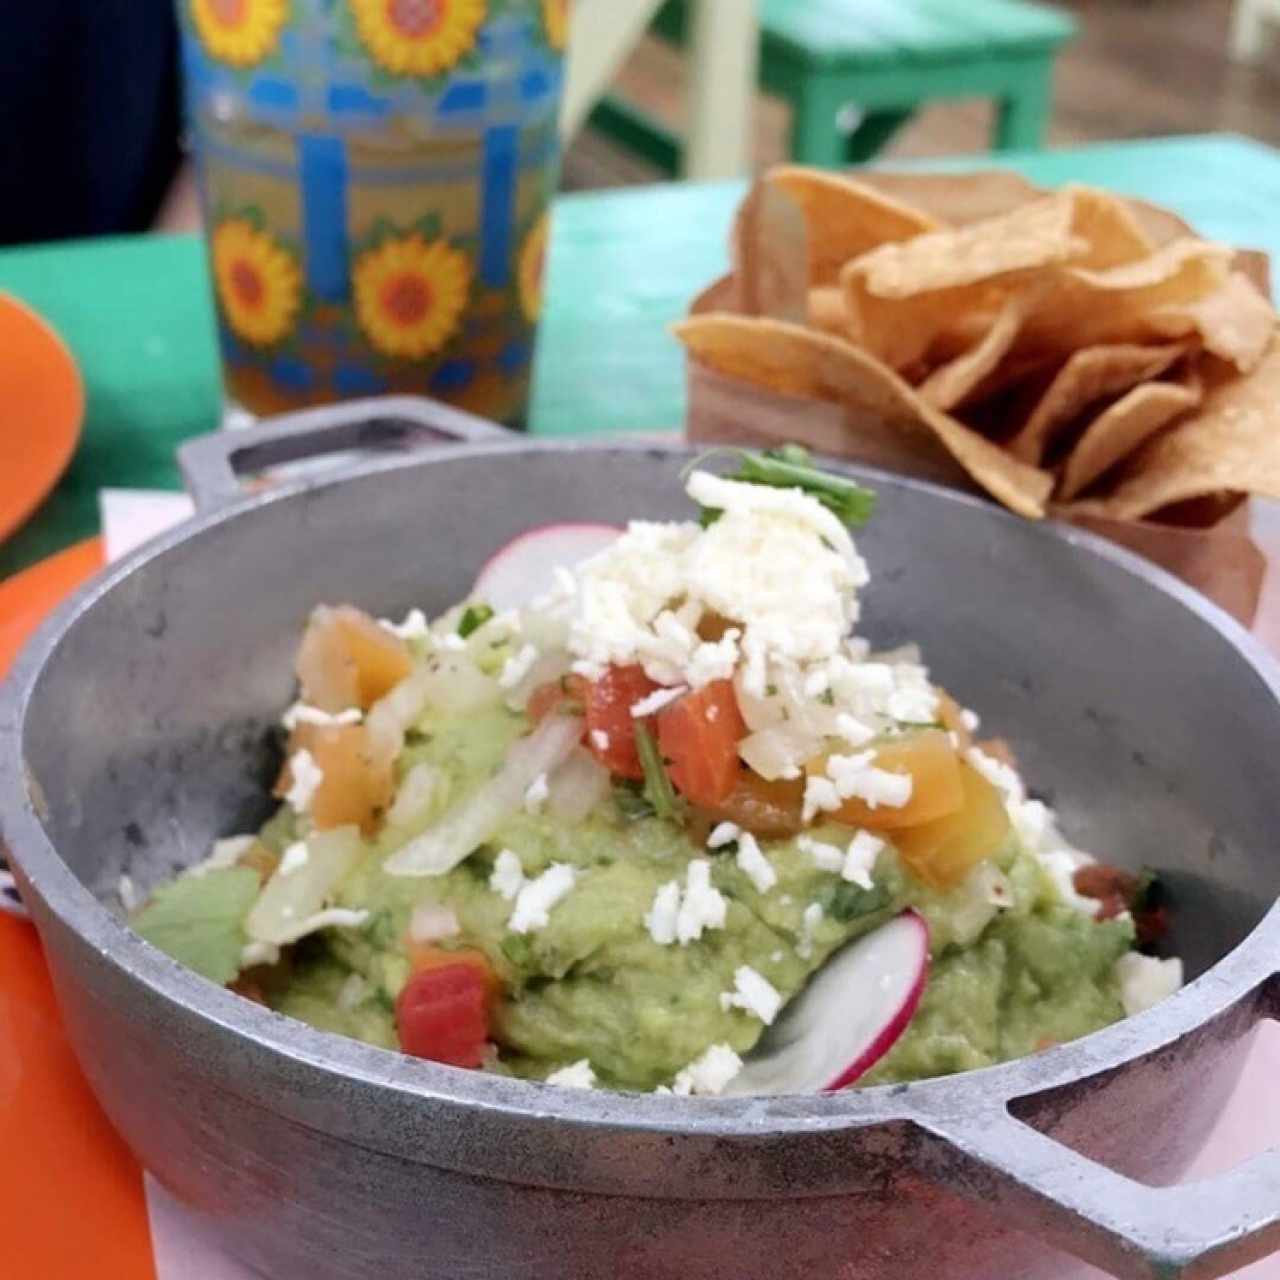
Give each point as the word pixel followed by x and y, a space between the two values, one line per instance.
pixel 1023 114
pixel 874 133
pixel 816 137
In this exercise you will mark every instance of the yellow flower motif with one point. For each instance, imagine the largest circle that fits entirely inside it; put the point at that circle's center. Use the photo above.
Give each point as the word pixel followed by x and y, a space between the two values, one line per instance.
pixel 418 37
pixel 410 294
pixel 240 32
pixel 257 281
pixel 529 272
pixel 555 20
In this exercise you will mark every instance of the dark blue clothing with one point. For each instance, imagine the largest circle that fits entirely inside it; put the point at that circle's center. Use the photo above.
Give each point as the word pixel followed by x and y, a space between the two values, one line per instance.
pixel 89 115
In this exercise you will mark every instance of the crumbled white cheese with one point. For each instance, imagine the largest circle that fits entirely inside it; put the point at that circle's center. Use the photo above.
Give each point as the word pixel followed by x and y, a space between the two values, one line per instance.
pixel 453 642
pixel 1000 775
pixel 507 878
pixel 517 667
pixel 753 864
pixel 226 853
pixel 306 777
pixel 816 683
pixel 599 739
pixel 127 892
pixel 433 922
pixel 662 916
pixel 857 778
pixel 702 906
pixel 253 954
pixel 658 699
pixel 860 859
pixel 301 713
pixel 577 1075
pixel 969 719
pixel 852 730
pixel 809 923
pixel 820 794
pixel 537 897
pixel 536 794
pixel 826 857
pixel 914 700
pixel 331 917
pixel 1146 980
pixel 295 857
pixel 414 626
pixel 1061 866
pixel 775 957
pixel 714 660
pixel 709 1073
pixel 352 993
pixel 722 834
pixel 754 993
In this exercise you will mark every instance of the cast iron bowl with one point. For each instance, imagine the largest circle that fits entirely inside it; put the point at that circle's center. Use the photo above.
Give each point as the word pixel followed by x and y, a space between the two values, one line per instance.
pixel 134 730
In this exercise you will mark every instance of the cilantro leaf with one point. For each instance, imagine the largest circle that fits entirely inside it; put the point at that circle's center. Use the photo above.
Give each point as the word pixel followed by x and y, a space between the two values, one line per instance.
pixel 658 790
pixel 473 618
pixel 788 467
pixel 199 920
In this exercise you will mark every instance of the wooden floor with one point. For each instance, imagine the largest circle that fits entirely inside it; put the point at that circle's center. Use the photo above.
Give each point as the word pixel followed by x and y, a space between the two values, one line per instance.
pixel 1141 68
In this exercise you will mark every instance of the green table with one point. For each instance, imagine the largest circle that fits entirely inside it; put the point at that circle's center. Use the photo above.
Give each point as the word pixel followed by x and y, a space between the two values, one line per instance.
pixel 623 265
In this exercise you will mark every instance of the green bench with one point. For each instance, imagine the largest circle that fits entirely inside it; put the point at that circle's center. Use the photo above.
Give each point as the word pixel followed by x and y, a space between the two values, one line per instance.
pixel 871 64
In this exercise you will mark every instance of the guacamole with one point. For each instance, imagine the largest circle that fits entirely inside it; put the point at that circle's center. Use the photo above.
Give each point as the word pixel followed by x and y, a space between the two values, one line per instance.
pixel 603 838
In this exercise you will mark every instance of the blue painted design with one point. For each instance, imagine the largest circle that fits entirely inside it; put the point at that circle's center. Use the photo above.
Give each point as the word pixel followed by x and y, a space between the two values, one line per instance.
pixel 514 356
pixel 273 95
pixel 323 164
pixel 356 100
pixel 501 167
pixel 463 96
pixel 535 84
pixel 293 375
pixel 452 375
pixel 355 380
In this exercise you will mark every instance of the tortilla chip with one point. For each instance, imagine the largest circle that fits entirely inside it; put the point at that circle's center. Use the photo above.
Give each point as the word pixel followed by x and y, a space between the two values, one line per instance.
pixel 844 217
pixel 1235 321
pixel 956 199
pixel 826 310
pixel 949 384
pixel 770 251
pixel 1088 375
pixel 1231 445
pixel 1035 235
pixel 1087 308
pixel 1120 429
pixel 1110 228
pixel 795 360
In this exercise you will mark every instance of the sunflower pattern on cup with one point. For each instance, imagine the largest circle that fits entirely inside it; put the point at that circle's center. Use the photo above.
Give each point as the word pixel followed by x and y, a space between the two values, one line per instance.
pixel 531 267
pixel 257 280
pixel 240 33
pixel 410 293
pixel 555 22
pixel 418 37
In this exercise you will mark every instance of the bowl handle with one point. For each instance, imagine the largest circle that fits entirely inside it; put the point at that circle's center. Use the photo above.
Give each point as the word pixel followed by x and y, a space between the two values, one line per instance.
pixel 212 464
pixel 1201 1230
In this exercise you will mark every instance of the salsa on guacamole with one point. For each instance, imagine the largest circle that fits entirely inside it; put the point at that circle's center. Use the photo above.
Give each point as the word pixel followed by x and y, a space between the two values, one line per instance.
pixel 602 823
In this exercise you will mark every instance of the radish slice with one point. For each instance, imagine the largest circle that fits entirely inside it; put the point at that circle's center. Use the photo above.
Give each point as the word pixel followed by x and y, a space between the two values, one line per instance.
pixel 847 1018
pixel 525 568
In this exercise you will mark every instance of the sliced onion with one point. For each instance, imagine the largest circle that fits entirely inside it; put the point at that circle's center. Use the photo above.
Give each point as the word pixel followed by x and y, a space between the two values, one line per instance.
pixel 469 824
pixel 394 714
pixel 757 712
pixel 414 796
pixel 779 752
pixel 288 901
pixel 577 787
pixel 549 666
pixel 456 686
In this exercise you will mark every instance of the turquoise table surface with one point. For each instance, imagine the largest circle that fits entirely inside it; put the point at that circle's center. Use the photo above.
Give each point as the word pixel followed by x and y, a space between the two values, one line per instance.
pixel 623 265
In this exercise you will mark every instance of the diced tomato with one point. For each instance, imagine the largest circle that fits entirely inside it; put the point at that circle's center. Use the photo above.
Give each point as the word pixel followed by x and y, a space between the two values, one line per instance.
pixel 1119 891
pixel 425 955
pixel 569 693
pixel 762 807
pixel 699 736
pixel 936 791
pixel 443 1015
pixel 942 852
pixel 609 701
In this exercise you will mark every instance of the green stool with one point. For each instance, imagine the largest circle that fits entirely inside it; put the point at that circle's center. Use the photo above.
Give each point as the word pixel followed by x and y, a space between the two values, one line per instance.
pixel 883 59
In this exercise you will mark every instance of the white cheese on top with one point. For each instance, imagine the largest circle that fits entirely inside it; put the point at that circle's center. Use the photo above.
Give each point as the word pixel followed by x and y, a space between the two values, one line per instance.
pixel 754 993
pixel 860 859
pixel 294 858
pixel 306 777
pixel 507 878
pixel 517 667
pixel 658 699
pixel 578 1075
pixel 599 739
pixel 722 834
pixel 301 713
pixel 753 864
pixel 1146 980
pixel 826 857
pixel 537 897
pixel 536 794
pixel 709 1073
pixel 681 916
pixel 226 853
pixel 662 916
pixel 809 923
pixel 414 626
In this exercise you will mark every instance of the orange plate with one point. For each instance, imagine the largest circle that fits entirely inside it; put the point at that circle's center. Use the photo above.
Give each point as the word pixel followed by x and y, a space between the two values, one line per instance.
pixel 28 596
pixel 42 406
